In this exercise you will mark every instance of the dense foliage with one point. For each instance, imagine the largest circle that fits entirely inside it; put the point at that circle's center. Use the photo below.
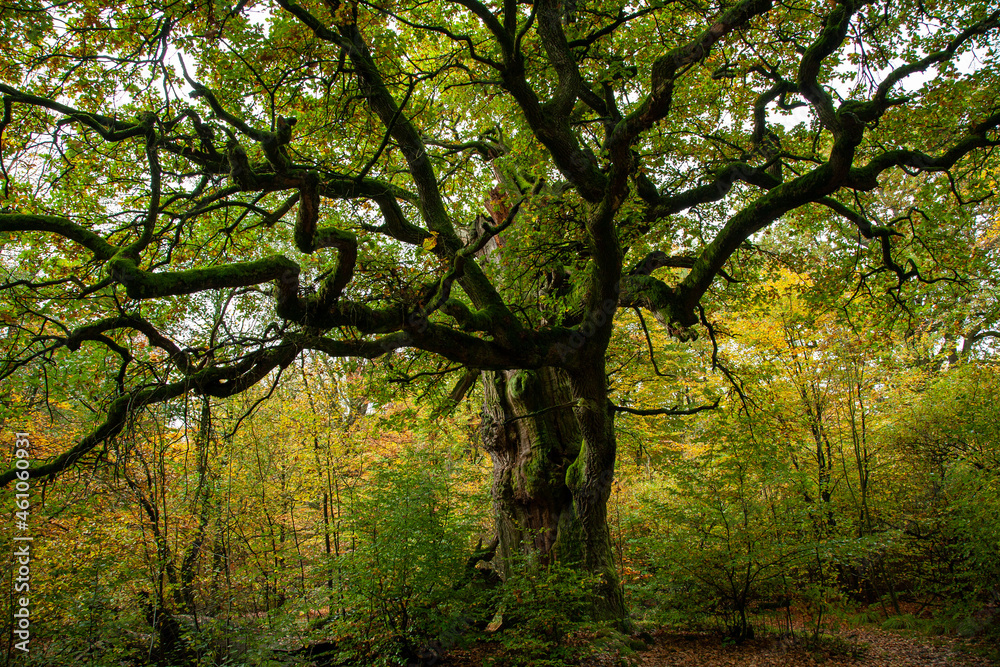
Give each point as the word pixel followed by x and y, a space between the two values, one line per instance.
pixel 302 534
pixel 368 326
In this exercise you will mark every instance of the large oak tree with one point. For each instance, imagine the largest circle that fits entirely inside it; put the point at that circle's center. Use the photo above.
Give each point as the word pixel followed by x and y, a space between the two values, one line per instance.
pixel 486 182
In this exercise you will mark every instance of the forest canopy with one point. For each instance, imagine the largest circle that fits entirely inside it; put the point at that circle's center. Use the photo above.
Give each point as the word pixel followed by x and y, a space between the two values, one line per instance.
pixel 582 216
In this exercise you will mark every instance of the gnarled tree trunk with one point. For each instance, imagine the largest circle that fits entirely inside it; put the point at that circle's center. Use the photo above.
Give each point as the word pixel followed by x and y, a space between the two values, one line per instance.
pixel 549 499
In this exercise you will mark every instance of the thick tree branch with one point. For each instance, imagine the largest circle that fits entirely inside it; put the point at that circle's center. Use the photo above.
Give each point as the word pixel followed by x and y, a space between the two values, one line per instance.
pixel 832 36
pixel 141 284
pixel 215 381
pixel 91 331
pixel 21 222
pixel 110 129
pixel 431 203
pixel 666 69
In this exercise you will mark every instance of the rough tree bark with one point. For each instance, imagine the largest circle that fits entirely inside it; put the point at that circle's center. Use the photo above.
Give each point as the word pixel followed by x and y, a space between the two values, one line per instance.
pixel 545 503
pixel 549 501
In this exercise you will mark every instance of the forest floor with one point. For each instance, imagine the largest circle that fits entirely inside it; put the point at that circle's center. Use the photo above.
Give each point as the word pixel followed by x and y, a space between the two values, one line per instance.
pixel 859 647
pixel 868 647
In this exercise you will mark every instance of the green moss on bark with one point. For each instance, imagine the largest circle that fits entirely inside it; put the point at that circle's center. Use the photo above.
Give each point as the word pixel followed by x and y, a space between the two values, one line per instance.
pixel 145 285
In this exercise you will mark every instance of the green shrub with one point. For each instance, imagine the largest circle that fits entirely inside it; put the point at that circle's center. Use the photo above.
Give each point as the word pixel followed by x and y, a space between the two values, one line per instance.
pixel 546 614
pixel 403 580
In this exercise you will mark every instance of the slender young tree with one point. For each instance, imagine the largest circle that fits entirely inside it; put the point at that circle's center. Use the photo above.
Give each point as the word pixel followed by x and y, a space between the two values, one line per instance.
pixel 483 182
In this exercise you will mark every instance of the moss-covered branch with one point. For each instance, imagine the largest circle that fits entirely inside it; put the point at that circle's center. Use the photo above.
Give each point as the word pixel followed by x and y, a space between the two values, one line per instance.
pixel 829 40
pixel 666 69
pixel 155 337
pixel 110 129
pixel 141 284
pixel 23 222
